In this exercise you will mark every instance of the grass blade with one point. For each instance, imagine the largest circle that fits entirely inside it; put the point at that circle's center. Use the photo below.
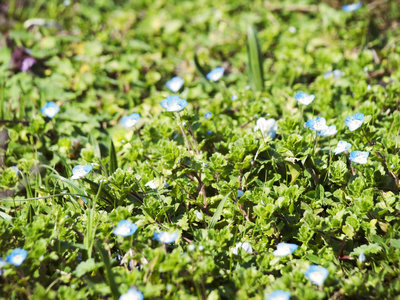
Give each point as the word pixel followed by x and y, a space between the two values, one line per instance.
pixel 199 67
pixel 255 70
pixel 218 212
pixel 113 165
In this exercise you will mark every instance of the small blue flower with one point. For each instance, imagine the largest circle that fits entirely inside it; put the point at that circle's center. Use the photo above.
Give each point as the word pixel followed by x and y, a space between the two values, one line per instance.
pixel 81 171
pixel 278 295
pixel 132 294
pixel 207 115
pixel 199 215
pixel 359 157
pixel 240 193
pixel 175 84
pixel 316 274
pixel 215 74
pixel 292 29
pixel 245 246
pixel 166 237
pixel 125 228
pixel 361 257
pixel 15 169
pixel 173 103
pixel 317 124
pixel 335 73
pixel 304 98
pixel 234 97
pixel 351 7
pixel 354 122
pixel 369 87
pixel 268 127
pixel 209 132
pixel 341 147
pixel 131 120
pixel 166 184
pixel 284 249
pixel 17 257
pixel 50 109
pixel 331 130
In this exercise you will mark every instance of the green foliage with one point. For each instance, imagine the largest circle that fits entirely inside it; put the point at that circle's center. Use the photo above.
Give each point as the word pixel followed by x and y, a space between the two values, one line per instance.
pixel 181 172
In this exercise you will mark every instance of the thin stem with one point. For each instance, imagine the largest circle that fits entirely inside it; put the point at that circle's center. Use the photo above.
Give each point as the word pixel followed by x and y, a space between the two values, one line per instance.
pixel 315 143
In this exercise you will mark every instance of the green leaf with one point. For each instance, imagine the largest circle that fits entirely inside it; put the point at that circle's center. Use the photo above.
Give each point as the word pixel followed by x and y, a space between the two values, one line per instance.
pixel 30 214
pixel 86 266
pixel 200 68
pixel 113 158
pixel 95 145
pixel 109 274
pixel 218 212
pixel 255 69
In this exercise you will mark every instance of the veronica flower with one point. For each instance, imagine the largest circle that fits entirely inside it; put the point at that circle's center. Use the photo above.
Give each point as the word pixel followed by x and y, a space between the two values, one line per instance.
pixel 207 115
pixel 268 127
pixel 151 185
pixel 234 97
pixel 215 74
pixel 335 73
pixel 361 257
pixel 331 130
pixel 191 247
pixel 125 228
pixel 341 147
pixel 175 84
pixel 317 124
pixel 81 171
pixel 199 215
pixel 278 295
pixel 17 257
pixel 50 109
pixel 355 121
pixel 359 157
pixel 166 237
pixel 209 132
pixel 245 246
pixel 173 103
pixel 304 98
pixel 284 249
pixel 292 29
pixel 351 7
pixel 15 169
pixel 131 120
pixel 132 294
pixel 27 63
pixel 316 274
pixel 240 193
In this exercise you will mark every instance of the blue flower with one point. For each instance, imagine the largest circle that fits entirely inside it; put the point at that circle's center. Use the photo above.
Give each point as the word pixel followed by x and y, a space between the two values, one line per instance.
pixel 335 73
pixel 268 127
pixel 50 109
pixel 341 147
pixel 199 215
pixel 278 295
pixel 234 97
pixel 215 74
pixel 284 249
pixel 245 246
pixel 209 132
pixel 359 157
pixel 317 124
pixel 240 193
pixel 131 120
pixel 17 257
pixel 316 274
pixel 15 169
pixel 354 122
pixel 125 228
pixel 331 130
pixel 207 115
pixel 351 7
pixel 132 294
pixel 304 98
pixel 361 257
pixel 175 84
pixel 81 171
pixel 166 237
pixel 173 103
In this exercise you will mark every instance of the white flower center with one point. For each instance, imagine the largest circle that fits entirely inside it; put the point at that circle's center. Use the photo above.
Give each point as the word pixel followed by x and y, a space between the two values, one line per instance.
pixel 18 259
pixel 316 277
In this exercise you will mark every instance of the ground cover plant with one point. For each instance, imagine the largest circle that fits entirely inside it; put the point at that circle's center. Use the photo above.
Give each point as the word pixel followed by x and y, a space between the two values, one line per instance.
pixel 199 149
